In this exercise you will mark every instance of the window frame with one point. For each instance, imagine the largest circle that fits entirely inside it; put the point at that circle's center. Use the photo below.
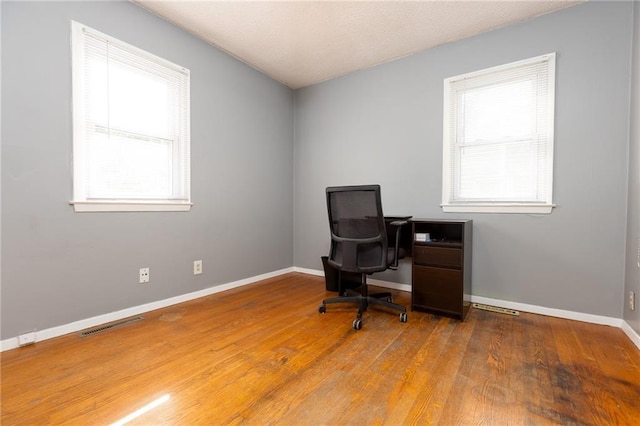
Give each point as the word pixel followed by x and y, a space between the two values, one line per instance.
pixel 449 205
pixel 81 201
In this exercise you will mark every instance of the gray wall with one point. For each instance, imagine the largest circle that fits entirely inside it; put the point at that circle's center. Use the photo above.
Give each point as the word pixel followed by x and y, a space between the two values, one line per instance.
pixel 632 281
pixel 384 125
pixel 59 266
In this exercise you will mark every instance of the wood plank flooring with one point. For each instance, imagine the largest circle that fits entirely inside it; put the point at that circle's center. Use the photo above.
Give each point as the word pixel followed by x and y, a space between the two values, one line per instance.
pixel 262 354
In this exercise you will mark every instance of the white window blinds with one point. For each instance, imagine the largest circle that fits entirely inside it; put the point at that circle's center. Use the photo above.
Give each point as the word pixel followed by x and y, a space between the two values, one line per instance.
pixel 498 136
pixel 131 123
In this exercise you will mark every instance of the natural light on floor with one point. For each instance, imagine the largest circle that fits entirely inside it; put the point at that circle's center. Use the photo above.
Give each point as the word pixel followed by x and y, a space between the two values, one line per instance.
pixel 164 398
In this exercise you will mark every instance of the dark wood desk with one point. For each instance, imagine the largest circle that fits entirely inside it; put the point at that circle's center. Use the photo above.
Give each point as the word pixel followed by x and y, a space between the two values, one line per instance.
pixel 441 267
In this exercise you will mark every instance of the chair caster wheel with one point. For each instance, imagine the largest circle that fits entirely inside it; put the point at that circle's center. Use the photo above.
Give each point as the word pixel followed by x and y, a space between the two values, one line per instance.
pixel 322 309
pixel 403 317
pixel 357 324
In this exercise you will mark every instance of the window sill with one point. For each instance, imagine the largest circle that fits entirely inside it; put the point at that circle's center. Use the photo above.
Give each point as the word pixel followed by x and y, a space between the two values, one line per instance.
pixel 498 208
pixel 129 206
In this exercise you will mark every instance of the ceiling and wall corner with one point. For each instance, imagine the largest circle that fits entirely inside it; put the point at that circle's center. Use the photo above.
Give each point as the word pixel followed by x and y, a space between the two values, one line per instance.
pixel 300 43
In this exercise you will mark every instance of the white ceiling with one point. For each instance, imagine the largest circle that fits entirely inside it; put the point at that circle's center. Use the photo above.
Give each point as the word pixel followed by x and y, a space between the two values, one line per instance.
pixel 303 42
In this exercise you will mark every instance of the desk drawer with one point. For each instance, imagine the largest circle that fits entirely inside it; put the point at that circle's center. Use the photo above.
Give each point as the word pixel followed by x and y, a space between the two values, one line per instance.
pixel 437 256
pixel 437 288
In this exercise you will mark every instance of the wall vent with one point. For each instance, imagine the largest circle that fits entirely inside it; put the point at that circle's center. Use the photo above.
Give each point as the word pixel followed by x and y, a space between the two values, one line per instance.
pixel 495 309
pixel 103 328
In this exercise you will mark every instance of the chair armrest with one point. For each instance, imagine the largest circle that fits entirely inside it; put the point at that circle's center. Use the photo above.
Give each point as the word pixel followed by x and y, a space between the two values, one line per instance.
pixel 398 224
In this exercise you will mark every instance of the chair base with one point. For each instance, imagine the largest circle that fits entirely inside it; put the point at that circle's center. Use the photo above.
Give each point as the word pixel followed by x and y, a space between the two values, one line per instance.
pixel 363 300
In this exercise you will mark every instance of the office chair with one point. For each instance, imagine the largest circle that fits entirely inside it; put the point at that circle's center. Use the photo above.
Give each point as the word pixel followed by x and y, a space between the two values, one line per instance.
pixel 359 244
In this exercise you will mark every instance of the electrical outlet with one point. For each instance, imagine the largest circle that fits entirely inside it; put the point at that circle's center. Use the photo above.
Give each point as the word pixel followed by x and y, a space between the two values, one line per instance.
pixel 27 339
pixel 144 275
pixel 632 301
pixel 197 267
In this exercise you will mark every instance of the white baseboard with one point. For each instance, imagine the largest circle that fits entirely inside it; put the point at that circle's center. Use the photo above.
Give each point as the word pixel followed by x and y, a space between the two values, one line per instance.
pixel 308 271
pixel 552 312
pixel 631 334
pixel 73 327
pixel 76 326
pixel 391 285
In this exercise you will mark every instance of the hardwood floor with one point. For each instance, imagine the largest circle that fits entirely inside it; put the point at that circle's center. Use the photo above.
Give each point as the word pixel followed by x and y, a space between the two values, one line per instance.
pixel 262 354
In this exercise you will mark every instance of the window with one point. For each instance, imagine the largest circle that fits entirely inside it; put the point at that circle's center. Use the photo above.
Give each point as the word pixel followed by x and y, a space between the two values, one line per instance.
pixel 131 127
pixel 498 139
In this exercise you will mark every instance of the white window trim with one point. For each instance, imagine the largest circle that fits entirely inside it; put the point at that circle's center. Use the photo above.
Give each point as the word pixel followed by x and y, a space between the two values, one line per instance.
pixel 133 206
pixel 495 207
pixel 79 202
pixel 498 208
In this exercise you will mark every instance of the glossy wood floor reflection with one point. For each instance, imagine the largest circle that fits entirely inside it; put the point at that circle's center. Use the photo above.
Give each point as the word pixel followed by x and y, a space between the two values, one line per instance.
pixel 263 354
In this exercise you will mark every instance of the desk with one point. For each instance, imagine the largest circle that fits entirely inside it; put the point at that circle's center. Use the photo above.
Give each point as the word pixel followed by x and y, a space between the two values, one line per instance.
pixel 440 268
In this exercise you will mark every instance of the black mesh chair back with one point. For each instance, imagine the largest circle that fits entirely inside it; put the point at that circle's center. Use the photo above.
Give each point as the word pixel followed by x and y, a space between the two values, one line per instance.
pixel 358 233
